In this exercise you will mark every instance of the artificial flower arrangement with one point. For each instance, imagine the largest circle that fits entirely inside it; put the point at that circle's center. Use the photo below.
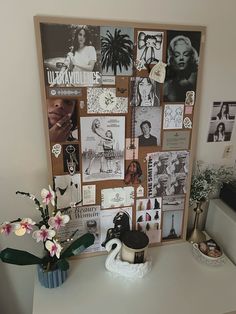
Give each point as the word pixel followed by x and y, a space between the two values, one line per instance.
pixel 207 180
pixel 46 232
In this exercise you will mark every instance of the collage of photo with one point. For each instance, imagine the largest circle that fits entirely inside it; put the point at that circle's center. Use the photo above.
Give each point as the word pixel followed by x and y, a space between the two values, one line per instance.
pixel 120 105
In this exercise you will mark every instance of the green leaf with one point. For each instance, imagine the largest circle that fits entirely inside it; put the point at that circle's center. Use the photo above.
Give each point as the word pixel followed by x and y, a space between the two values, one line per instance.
pixel 18 257
pixel 79 245
pixel 63 264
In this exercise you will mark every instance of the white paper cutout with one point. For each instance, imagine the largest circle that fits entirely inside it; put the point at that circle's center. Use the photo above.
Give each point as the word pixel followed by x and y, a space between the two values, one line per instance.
pixel 140 191
pixel 107 100
pixel 190 98
pixel 158 72
pixel 56 150
pixel 173 116
pixel 187 123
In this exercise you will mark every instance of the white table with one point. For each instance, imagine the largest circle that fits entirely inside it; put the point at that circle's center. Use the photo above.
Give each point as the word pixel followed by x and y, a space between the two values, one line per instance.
pixel 177 284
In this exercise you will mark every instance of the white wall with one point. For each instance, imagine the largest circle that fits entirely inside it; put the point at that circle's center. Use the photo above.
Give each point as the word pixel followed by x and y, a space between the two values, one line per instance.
pixel 23 153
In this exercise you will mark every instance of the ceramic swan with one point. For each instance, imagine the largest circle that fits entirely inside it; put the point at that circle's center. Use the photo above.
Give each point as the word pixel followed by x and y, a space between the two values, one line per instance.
pixel 116 265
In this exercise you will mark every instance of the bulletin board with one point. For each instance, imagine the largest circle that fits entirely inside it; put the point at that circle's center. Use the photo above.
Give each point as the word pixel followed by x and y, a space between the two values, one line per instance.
pixel 120 103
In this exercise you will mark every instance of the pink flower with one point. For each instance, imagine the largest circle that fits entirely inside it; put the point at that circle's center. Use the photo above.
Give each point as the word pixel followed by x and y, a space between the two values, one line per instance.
pixel 7 227
pixel 54 248
pixel 25 226
pixel 58 220
pixel 48 196
pixel 43 234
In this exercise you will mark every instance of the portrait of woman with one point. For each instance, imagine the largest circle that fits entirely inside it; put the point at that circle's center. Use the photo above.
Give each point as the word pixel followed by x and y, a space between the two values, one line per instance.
pixel 62 120
pixel 82 56
pixel 133 173
pixel 182 59
pixel 219 135
pixel 224 112
pixel 147 93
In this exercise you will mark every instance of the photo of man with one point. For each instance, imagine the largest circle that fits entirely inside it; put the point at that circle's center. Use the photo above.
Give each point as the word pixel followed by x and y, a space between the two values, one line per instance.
pixel 148 125
pixel 147 139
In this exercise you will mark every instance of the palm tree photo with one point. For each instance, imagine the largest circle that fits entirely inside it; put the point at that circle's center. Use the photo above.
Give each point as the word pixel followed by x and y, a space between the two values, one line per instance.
pixel 117 51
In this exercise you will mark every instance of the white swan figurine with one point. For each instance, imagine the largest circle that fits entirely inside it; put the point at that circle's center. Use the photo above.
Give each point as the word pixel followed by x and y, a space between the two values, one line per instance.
pixel 116 265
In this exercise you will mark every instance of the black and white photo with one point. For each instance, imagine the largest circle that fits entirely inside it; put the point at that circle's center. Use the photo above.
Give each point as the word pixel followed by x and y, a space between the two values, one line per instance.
pixel 103 146
pixel 167 173
pixel 220 131
pixel 71 54
pixel 182 64
pixel 117 50
pixel 223 111
pixel 145 92
pixel 148 125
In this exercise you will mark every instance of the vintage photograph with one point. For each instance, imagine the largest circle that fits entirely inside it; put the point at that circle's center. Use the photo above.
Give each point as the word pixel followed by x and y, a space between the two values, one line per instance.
pixel 83 220
pixel 182 64
pixel 68 191
pixel 148 125
pixel 62 119
pixel 104 100
pixel 145 92
pixel 173 117
pixel 167 173
pixel 117 197
pixel 103 148
pixel 172 225
pixel 114 222
pixel 71 54
pixel 149 46
pixel 117 50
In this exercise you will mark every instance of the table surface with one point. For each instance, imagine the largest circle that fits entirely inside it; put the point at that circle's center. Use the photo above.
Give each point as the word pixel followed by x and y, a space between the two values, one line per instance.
pixel 177 283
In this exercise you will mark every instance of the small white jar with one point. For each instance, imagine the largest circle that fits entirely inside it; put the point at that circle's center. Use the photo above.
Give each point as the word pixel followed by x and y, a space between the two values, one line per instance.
pixel 134 247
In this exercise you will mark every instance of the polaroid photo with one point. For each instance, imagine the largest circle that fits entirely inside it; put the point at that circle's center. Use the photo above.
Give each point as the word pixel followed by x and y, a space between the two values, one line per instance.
pixel 220 131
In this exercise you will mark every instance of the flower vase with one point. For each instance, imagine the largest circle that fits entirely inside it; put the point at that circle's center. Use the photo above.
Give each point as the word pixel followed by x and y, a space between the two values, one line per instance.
pixel 197 235
pixel 51 279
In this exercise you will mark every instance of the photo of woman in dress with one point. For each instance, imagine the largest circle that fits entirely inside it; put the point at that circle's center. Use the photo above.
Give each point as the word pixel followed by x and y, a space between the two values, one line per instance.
pixel 82 56
pixel 182 59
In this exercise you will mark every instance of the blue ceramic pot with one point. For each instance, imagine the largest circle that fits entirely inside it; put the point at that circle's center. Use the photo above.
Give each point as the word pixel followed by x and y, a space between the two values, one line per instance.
pixel 51 279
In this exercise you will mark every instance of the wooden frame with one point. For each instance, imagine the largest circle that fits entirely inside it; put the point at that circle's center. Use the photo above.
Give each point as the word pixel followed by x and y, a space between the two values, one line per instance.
pixel 57 167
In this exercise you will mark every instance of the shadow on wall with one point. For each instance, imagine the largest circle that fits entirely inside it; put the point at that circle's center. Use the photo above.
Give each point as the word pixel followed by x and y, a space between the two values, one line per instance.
pixel 7 292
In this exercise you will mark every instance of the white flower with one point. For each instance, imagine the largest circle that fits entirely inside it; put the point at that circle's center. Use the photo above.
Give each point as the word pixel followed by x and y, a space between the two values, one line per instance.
pixel 58 221
pixel 54 248
pixel 24 226
pixel 48 196
pixel 43 234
